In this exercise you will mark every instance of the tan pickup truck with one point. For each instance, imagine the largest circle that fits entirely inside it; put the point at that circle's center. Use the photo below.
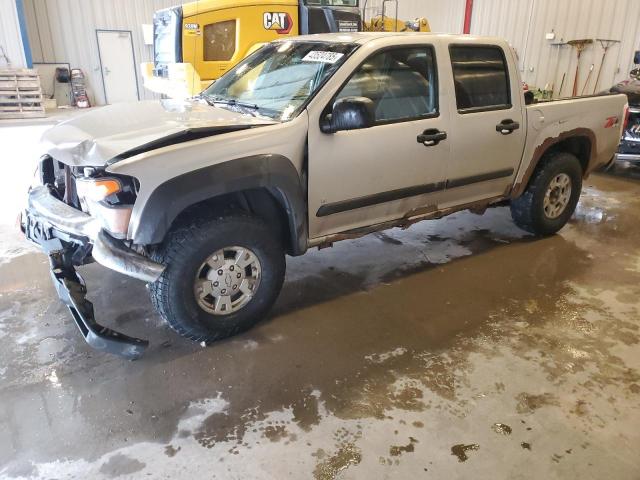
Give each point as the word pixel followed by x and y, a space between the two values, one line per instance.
pixel 308 141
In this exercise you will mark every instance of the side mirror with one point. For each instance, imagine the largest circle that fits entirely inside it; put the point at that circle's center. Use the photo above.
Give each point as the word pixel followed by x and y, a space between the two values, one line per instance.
pixel 349 113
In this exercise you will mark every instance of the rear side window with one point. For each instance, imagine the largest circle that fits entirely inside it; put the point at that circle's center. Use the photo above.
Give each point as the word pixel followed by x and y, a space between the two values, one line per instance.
pixel 400 82
pixel 219 41
pixel 481 78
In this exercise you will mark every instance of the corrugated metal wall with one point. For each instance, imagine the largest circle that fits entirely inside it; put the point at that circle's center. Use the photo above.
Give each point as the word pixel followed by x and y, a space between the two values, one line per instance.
pixel 65 31
pixel 10 39
pixel 524 24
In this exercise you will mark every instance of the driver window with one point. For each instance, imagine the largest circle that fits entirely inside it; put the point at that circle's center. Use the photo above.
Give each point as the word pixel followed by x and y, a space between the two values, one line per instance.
pixel 402 83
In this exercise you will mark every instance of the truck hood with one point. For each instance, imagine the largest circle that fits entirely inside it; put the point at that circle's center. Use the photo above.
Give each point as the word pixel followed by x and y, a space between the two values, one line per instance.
pixel 108 134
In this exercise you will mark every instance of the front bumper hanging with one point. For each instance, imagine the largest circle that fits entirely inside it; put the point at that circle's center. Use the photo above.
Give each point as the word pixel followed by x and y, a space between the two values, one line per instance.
pixel 71 237
pixel 72 291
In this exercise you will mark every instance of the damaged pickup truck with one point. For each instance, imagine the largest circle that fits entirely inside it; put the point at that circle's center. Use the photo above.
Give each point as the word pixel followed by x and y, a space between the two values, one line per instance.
pixel 306 142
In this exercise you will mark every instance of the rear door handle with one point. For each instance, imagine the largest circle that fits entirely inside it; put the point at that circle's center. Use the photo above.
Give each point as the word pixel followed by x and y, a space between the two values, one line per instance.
pixel 507 126
pixel 432 137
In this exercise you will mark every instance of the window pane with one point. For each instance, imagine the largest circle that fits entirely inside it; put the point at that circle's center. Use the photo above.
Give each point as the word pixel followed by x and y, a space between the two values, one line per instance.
pixel 401 83
pixel 219 41
pixel 480 76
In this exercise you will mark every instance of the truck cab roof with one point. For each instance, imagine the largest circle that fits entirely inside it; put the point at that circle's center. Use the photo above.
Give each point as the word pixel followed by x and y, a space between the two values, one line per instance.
pixel 366 37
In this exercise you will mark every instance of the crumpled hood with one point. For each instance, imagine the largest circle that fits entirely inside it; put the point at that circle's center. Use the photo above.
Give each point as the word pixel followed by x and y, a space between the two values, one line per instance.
pixel 116 131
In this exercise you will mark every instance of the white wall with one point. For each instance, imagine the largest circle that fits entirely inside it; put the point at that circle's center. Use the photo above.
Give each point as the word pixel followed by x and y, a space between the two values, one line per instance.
pixel 65 31
pixel 10 39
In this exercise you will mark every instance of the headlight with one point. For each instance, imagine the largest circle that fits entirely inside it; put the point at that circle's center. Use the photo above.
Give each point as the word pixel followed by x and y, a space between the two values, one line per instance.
pixel 114 219
pixel 97 189
pixel 94 198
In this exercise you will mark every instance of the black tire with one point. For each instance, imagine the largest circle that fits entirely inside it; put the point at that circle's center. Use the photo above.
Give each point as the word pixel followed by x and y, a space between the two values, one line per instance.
pixel 528 209
pixel 184 251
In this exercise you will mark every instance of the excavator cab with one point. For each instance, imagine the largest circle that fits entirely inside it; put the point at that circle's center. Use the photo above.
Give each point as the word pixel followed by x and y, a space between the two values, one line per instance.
pixel 329 16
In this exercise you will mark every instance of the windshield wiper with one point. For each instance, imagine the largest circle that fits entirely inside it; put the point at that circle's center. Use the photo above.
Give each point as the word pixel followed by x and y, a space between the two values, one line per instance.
pixel 212 100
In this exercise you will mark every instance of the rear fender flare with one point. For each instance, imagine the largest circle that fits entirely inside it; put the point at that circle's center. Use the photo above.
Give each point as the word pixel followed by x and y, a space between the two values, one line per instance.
pixel 547 145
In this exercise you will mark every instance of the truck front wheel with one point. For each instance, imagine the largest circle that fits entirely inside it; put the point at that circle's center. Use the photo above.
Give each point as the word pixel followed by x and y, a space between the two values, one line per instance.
pixel 551 196
pixel 222 276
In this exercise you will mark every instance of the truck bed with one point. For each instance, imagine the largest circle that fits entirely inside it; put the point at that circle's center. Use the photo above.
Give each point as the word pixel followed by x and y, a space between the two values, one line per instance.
pixel 550 122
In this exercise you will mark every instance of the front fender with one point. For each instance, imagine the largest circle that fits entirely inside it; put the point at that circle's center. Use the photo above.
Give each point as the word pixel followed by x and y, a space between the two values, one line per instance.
pixel 276 173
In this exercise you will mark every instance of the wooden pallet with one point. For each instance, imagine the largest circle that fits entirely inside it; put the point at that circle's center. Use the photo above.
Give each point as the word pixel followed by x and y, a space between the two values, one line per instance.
pixel 20 94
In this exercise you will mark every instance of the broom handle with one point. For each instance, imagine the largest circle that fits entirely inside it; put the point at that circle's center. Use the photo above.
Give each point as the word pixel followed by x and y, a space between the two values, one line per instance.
pixel 575 81
pixel 604 54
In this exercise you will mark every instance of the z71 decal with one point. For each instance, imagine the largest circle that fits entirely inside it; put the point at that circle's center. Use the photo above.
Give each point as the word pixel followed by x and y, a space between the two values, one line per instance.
pixel 281 22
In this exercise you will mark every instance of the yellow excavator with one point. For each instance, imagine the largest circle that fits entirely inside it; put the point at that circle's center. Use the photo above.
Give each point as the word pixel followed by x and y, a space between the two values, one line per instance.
pixel 196 43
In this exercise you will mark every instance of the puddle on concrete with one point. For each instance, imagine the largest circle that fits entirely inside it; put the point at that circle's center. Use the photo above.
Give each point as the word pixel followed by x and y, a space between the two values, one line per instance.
pixel 501 428
pixel 397 450
pixel 399 347
pixel 461 450
pixel 119 465
pixel 171 451
pixel 529 403
pixel 331 465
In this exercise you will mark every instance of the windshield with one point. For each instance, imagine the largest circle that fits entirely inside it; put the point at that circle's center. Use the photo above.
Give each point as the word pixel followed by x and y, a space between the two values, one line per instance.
pixel 277 80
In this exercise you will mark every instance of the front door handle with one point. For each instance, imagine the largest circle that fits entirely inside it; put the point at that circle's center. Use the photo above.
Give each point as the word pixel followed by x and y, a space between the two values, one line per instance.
pixel 507 126
pixel 432 137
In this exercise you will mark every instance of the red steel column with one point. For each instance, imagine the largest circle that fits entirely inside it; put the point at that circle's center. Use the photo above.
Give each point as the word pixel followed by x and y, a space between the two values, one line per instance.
pixel 468 12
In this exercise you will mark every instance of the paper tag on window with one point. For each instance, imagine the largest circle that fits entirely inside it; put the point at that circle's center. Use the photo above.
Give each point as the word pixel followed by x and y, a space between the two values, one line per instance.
pixel 323 57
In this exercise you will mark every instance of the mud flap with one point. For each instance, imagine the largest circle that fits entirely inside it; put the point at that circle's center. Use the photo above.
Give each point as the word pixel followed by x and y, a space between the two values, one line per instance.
pixel 72 291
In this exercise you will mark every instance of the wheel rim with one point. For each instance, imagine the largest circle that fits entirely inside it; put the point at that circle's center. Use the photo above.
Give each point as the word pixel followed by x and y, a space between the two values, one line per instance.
pixel 557 196
pixel 227 280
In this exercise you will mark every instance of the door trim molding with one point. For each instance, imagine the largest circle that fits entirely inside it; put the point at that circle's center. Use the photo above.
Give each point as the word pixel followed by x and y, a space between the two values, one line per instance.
pixel 133 55
pixel 483 177
pixel 384 197
pixel 393 195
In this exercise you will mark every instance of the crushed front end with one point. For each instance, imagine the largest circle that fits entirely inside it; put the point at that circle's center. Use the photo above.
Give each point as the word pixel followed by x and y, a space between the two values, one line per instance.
pixel 78 215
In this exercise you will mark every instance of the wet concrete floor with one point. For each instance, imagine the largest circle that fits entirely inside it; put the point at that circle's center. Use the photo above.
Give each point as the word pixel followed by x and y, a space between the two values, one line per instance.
pixel 460 348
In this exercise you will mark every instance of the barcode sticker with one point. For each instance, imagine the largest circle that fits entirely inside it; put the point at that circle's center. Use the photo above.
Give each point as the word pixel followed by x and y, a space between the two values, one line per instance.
pixel 323 57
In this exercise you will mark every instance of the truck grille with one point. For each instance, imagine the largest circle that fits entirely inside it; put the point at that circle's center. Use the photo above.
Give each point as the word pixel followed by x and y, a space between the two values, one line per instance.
pixel 61 180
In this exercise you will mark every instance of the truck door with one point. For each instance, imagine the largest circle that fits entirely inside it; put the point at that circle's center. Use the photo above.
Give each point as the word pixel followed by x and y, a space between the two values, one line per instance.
pixel 487 131
pixel 358 178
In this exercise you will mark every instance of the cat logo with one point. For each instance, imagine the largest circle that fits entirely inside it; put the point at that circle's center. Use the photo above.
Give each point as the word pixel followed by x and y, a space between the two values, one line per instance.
pixel 278 21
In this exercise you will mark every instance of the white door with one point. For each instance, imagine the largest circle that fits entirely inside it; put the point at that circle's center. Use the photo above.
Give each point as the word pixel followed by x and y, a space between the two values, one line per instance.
pixel 487 138
pixel 382 173
pixel 118 66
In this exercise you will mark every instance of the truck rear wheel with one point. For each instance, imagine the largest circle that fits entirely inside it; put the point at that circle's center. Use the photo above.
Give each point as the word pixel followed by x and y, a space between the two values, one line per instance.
pixel 222 276
pixel 551 196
